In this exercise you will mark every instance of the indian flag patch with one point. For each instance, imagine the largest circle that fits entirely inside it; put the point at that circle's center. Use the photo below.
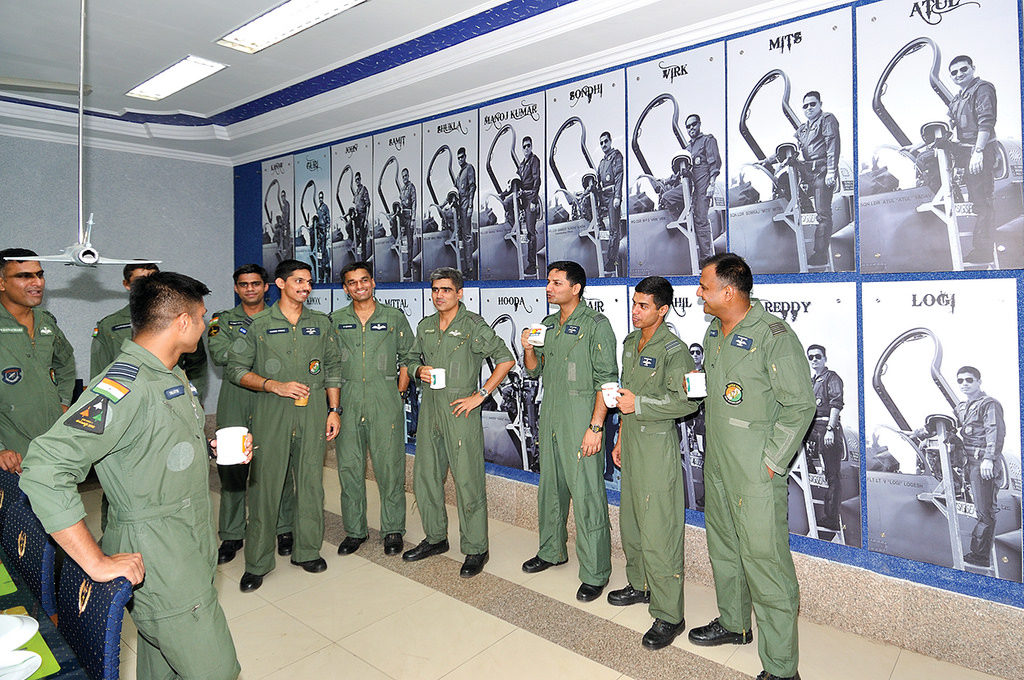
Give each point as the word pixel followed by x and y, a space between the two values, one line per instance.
pixel 111 389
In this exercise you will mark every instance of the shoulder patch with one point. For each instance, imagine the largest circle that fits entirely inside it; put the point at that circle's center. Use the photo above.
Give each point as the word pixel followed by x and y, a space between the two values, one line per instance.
pixel 572 330
pixel 111 389
pixel 122 370
pixel 713 333
pixel 742 341
pixel 672 344
pixel 92 418
pixel 95 331
pixel 777 328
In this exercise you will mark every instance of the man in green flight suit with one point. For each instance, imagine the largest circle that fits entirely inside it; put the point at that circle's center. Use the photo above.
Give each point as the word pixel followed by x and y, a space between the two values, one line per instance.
pixel 653 506
pixel 112 330
pixel 234 409
pixel 376 346
pixel 577 357
pixel 37 366
pixel 141 426
pixel 760 403
pixel 456 341
pixel 289 354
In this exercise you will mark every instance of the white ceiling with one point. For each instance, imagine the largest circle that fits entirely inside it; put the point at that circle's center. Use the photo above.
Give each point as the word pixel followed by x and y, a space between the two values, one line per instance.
pixel 127 41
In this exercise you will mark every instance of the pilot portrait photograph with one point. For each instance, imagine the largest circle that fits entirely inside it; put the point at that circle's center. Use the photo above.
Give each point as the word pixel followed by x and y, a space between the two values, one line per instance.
pixel 349 203
pixel 791 180
pixel 277 191
pixel 586 174
pixel 942 424
pixel 512 232
pixel 449 190
pixel 676 181
pixel 312 233
pixel 939 130
pixel 397 235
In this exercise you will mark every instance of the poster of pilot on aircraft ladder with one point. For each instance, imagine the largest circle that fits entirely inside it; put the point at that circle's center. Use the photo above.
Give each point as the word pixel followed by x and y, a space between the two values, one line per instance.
pixel 397 235
pixel 276 213
pixel 676 186
pixel 942 395
pixel 791 179
pixel 586 174
pixel 349 201
pixel 921 116
pixel 824 498
pixel 313 212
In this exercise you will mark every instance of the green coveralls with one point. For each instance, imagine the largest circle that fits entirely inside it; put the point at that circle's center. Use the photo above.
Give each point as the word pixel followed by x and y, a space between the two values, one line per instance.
pixel 444 441
pixel 760 403
pixel 306 352
pixel 234 409
pixel 112 330
pixel 575 360
pixel 374 416
pixel 37 376
pixel 142 427
pixel 653 505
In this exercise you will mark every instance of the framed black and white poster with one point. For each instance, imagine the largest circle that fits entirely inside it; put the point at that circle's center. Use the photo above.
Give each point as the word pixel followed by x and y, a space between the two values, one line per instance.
pixel 586 173
pixel 942 418
pixel 511 177
pixel 791 179
pixel 450 218
pixel 312 212
pixel 939 129
pixel 351 235
pixel 397 236
pixel 277 191
pixel 676 187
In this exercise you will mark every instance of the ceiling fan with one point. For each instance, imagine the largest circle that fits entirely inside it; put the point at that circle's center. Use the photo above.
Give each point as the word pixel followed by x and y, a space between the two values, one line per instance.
pixel 82 253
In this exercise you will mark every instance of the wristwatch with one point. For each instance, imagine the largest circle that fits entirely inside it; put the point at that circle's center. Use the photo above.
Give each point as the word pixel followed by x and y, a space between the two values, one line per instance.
pixel 596 429
pixel 483 392
pixel 830 428
pixel 335 409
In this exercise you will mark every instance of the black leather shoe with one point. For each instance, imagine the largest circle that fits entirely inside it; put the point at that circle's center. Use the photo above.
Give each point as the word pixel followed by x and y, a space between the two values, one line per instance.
pixel 393 544
pixel 284 544
pixel 765 675
pixel 350 545
pixel 474 564
pixel 589 593
pixel 714 634
pixel 250 582
pixel 536 564
pixel 662 633
pixel 425 549
pixel 977 560
pixel 313 566
pixel 226 551
pixel 628 595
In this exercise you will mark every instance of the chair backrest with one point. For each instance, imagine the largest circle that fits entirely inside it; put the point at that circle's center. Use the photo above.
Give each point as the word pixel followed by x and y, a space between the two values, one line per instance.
pixel 30 550
pixel 89 616
pixel 9 491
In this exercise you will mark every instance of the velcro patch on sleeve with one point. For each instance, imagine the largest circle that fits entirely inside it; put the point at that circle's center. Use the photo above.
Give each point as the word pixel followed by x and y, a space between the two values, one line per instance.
pixel 777 328
pixel 92 418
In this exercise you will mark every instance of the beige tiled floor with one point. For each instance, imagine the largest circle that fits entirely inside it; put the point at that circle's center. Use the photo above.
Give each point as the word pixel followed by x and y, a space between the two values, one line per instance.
pixel 361 620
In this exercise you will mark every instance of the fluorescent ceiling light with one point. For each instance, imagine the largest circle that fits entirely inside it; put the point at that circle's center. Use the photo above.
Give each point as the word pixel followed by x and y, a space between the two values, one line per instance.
pixel 186 72
pixel 282 22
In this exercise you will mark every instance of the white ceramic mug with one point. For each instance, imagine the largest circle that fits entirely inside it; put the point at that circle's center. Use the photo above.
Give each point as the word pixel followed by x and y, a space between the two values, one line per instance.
pixel 537 333
pixel 610 392
pixel 696 384
pixel 231 445
pixel 437 379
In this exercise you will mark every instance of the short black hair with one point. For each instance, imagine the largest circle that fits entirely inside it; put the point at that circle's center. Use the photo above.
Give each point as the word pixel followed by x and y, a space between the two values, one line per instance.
pixel 657 287
pixel 813 93
pixel 733 270
pixel 605 134
pixel 698 346
pixel 358 175
pixel 527 138
pixel 353 266
pixel 250 269
pixel 692 115
pixel 286 267
pixel 969 369
pixel 12 255
pixel 961 57
pixel 447 273
pixel 156 300
pixel 818 347
pixel 574 273
pixel 126 272
pixel 461 151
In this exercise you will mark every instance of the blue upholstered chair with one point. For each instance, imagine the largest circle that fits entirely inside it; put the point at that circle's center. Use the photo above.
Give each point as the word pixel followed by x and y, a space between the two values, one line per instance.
pixel 89 616
pixel 9 491
pixel 29 549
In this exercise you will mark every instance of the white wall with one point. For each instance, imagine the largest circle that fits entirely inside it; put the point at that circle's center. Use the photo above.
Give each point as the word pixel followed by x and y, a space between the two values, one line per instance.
pixel 177 211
